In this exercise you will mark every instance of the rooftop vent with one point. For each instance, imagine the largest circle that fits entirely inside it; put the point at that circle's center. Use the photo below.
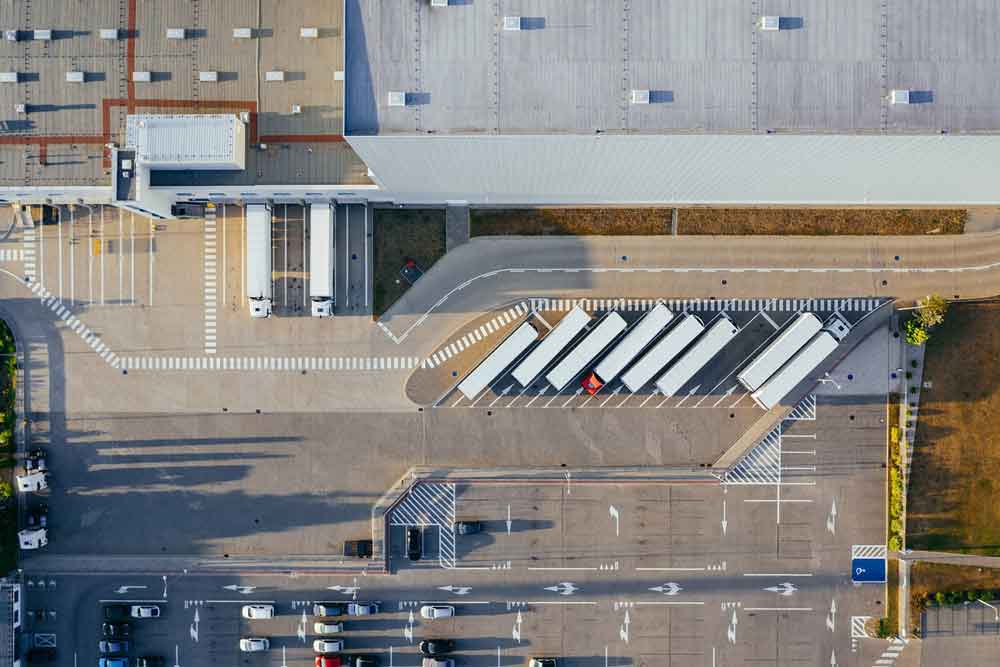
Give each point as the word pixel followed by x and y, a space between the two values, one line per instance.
pixel 397 98
pixel 242 33
pixel 275 75
pixel 640 96
pixel 74 77
pixel 770 22
pixel 208 76
pixel 109 33
pixel 145 77
pixel 296 108
pixel 176 33
pixel 10 35
pixel 309 33
pixel 512 23
pixel 21 108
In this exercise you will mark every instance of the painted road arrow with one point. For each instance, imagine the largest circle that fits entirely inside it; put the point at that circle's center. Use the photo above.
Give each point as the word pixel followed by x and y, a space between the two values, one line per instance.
pixel 242 590
pixel 669 588
pixel 121 590
pixel 457 590
pixel 565 588
pixel 784 589
pixel 508 519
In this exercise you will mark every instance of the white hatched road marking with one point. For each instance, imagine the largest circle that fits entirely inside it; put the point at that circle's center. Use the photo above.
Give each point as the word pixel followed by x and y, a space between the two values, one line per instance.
pixel 430 504
pixel 804 411
pixel 761 465
pixel 211 302
pixel 869 551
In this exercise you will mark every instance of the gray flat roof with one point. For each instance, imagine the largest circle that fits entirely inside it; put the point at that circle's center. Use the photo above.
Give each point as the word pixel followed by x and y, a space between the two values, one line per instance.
pixel 61 138
pixel 573 65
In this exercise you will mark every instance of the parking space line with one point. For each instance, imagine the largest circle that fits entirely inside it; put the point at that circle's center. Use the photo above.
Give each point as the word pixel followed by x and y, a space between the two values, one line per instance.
pixel 671 569
pixel 777 574
pixel 679 603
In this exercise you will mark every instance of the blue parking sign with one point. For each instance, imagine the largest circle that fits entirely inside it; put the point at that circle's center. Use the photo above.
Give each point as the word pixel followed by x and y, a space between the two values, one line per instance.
pixel 868 570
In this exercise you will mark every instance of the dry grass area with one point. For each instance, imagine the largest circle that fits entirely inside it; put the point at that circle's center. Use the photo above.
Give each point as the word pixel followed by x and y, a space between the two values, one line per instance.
pixel 820 221
pixel 571 222
pixel 953 502
pixel 926 579
pixel 401 234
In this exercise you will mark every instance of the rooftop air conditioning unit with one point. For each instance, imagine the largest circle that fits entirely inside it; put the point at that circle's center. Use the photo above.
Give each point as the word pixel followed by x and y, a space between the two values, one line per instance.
pixel 899 97
pixel 208 76
pixel 8 77
pixel 10 35
pixel 176 33
pixel 44 35
pixel 296 108
pixel 20 108
pixel 144 77
pixel 770 23
pixel 512 23
pixel 275 75
pixel 439 3
pixel 74 77
pixel 640 96
pixel 309 33
pixel 242 33
pixel 397 98
pixel 109 33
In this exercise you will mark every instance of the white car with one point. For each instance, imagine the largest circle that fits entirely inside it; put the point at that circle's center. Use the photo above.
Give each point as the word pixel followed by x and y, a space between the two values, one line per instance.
pixel 258 611
pixel 145 611
pixel 432 611
pixel 254 644
pixel 328 646
pixel 321 628
pixel 437 662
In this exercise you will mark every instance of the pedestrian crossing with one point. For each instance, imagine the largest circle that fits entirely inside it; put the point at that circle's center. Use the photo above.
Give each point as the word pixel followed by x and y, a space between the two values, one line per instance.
pixel 54 304
pixel 11 254
pixel 498 323
pixel 29 254
pixel 211 282
pixel 215 363
pixel 712 305
pixel 891 653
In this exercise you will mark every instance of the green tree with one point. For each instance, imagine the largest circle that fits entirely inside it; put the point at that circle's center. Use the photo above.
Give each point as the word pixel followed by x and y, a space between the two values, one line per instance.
pixel 6 490
pixel 915 333
pixel 931 309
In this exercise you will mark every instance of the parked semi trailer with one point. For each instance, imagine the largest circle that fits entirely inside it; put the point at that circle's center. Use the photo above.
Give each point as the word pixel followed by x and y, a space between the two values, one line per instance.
pixel 709 345
pixel 634 342
pixel 498 360
pixel 258 259
pixel 592 345
pixel 663 352
pixel 780 350
pixel 321 259
pixel 553 343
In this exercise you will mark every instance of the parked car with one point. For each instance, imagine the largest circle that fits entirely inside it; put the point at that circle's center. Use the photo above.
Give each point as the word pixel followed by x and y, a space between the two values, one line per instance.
pixel 433 611
pixel 414 543
pixel 113 662
pixel 145 611
pixel 363 661
pixel 35 462
pixel 322 628
pixel 327 661
pixel 358 549
pixel 437 662
pixel 433 647
pixel 116 612
pixel 113 646
pixel 116 630
pixel 37 517
pixel 542 662
pixel 362 608
pixel 151 661
pixel 258 611
pixel 468 527
pixel 328 609
pixel 328 645
pixel 254 644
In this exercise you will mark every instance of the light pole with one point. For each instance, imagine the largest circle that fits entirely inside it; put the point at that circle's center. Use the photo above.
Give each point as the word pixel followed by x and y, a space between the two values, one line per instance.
pixel 996 612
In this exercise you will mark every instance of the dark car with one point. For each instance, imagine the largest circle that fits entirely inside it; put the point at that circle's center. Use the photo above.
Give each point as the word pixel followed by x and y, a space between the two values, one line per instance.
pixel 468 527
pixel 432 647
pixel 327 609
pixel 358 549
pixel 116 612
pixel 414 543
pixel 364 661
pixel 116 630
pixel 41 655
pixel 113 646
pixel 150 661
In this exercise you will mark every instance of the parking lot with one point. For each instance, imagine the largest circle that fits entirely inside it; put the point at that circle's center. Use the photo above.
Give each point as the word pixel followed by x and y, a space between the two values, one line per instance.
pixel 713 386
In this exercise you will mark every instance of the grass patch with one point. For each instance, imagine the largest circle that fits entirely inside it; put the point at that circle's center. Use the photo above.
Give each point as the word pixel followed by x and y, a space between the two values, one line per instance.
pixel 8 508
pixel 944 583
pixel 894 526
pixel 820 222
pixel 954 495
pixel 401 234
pixel 571 222
pixel 892 596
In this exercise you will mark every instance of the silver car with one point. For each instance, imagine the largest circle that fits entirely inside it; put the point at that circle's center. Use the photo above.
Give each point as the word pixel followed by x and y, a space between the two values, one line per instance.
pixel 362 608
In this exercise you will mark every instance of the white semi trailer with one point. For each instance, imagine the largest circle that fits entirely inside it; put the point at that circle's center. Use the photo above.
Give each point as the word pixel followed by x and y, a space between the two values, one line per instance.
pixel 321 259
pixel 258 259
